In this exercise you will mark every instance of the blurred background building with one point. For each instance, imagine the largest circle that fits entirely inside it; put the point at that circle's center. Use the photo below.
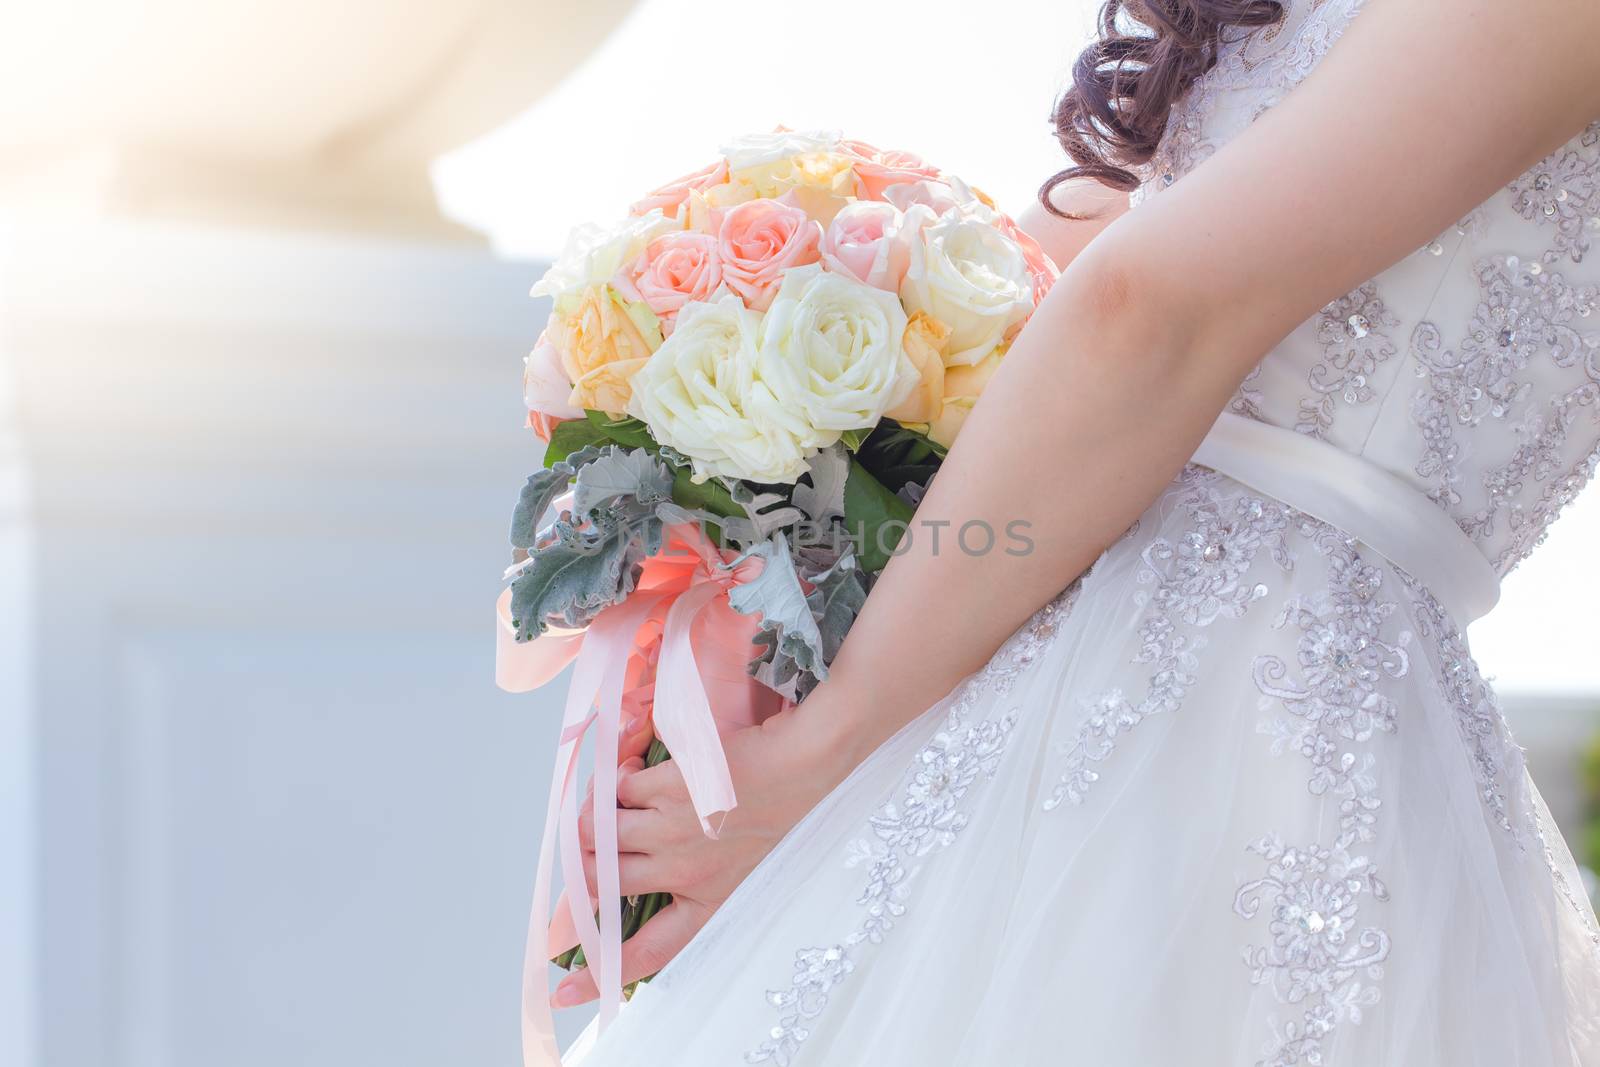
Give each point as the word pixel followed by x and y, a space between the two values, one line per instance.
pixel 263 276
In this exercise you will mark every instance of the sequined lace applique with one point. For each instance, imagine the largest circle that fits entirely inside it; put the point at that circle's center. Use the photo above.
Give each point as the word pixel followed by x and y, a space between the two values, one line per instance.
pixel 1496 760
pixel 1353 334
pixel 924 816
pixel 1198 579
pixel 1523 311
pixel 1563 192
pixel 1273 59
pixel 1324 957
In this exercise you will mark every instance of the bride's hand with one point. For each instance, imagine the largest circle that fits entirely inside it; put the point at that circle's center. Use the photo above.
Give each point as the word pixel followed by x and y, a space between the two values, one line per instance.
pixel 780 770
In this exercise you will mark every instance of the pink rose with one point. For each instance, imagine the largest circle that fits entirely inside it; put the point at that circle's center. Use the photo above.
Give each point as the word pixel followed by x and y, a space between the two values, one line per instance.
pixel 675 192
pixel 546 389
pixel 864 241
pixel 878 169
pixel 673 269
pixel 757 241
pixel 938 196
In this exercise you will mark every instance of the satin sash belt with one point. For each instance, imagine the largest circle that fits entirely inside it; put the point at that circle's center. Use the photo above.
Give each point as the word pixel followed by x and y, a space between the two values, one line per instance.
pixel 1377 508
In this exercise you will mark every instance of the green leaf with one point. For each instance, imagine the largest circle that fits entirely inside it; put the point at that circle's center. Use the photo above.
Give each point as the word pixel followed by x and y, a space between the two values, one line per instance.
pixel 897 456
pixel 625 431
pixel 569 437
pixel 874 517
pixel 854 439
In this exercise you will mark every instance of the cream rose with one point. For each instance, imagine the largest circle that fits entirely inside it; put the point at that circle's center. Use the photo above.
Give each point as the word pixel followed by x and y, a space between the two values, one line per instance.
pixel 969 276
pixel 832 352
pixel 697 392
pixel 595 253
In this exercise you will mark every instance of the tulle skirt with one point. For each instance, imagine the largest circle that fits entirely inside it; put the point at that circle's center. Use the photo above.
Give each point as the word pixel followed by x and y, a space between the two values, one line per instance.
pixel 1238 796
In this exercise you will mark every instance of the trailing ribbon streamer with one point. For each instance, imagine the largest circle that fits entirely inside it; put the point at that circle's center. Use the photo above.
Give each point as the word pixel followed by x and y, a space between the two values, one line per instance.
pixel 676 650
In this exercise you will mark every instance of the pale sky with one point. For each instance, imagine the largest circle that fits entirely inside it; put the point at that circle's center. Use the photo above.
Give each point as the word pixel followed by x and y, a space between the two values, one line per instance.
pixel 967 86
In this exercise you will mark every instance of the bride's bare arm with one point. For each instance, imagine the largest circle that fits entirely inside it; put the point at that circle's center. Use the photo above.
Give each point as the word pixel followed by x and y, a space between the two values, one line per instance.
pixel 1423 111
pixel 1420 113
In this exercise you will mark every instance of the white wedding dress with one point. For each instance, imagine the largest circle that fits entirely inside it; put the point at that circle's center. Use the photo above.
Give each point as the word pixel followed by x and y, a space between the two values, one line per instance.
pixel 1239 796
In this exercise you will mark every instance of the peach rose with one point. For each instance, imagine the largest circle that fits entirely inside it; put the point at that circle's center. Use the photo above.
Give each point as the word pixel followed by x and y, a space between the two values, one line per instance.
pixel 760 239
pixel 543 425
pixel 675 192
pixel 878 169
pixel 864 241
pixel 603 340
pixel 924 343
pixel 673 269
pixel 962 388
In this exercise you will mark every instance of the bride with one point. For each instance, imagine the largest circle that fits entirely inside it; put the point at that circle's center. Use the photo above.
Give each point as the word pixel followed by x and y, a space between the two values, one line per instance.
pixel 1209 775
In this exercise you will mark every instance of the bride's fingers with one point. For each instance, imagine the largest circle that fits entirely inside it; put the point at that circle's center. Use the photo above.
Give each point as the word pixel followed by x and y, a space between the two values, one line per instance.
pixel 650 787
pixel 633 830
pixel 636 874
pixel 643 954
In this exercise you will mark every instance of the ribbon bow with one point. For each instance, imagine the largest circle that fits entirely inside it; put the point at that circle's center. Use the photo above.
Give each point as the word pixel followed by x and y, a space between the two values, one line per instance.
pixel 674 649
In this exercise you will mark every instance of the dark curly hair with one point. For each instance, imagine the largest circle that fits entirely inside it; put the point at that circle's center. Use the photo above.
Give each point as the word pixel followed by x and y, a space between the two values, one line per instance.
pixel 1125 83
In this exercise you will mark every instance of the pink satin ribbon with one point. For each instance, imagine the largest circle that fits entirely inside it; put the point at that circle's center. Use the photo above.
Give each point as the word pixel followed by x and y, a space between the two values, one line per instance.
pixel 675 650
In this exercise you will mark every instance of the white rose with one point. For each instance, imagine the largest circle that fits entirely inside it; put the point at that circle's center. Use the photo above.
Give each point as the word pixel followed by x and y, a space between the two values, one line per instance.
pixel 594 253
pixel 694 392
pixel 756 149
pixel 968 275
pixel 833 352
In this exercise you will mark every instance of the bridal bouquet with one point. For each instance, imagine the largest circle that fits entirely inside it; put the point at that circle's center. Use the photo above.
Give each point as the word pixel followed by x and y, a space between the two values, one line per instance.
pixel 744 386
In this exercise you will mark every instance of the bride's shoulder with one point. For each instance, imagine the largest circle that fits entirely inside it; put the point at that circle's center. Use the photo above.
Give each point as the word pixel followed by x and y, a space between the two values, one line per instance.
pixel 1090 208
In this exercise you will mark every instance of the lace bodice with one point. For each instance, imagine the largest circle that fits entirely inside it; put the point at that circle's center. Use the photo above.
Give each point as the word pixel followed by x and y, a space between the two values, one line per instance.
pixel 1472 367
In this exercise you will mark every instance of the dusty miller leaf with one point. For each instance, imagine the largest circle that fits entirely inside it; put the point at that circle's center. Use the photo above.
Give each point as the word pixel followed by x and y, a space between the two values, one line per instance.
pixel 617 473
pixel 839 589
pixel 584 569
pixel 541 491
pixel 776 598
pixel 823 498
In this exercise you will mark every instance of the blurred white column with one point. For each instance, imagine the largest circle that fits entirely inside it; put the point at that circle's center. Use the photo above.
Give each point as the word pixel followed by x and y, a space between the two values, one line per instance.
pixel 18 743
pixel 259 440
pixel 282 814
